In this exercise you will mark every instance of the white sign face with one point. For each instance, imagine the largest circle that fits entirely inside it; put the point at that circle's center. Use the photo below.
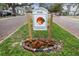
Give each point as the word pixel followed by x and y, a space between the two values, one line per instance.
pixel 40 17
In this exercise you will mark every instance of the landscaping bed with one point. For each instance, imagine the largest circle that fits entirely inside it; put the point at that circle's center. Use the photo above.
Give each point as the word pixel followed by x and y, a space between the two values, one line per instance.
pixel 42 45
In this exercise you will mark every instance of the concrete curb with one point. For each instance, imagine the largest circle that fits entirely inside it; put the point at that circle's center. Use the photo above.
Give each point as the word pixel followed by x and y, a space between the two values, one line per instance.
pixel 11 33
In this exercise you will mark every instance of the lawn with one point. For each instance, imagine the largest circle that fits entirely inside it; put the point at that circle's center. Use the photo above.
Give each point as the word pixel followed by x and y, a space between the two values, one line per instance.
pixel 13 45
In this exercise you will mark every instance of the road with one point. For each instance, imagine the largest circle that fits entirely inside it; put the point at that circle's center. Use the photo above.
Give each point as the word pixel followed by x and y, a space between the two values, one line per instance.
pixel 69 24
pixel 9 25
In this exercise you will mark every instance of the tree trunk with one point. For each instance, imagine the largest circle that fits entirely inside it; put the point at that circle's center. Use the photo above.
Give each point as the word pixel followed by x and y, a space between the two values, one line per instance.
pixel 13 9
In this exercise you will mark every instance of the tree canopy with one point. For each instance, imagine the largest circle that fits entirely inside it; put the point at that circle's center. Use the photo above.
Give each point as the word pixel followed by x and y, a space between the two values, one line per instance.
pixel 55 8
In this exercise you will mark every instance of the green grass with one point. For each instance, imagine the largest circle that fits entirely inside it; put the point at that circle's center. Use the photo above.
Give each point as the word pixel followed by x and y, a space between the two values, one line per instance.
pixel 13 45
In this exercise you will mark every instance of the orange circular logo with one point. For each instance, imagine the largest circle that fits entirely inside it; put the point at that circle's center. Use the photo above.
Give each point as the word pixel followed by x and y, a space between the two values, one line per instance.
pixel 40 20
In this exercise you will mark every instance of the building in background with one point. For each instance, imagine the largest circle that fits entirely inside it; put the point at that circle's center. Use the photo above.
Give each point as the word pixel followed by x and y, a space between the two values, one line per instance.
pixel 71 9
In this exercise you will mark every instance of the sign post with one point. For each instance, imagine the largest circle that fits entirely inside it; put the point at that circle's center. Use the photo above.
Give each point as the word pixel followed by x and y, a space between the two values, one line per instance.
pixel 50 27
pixel 41 20
pixel 30 26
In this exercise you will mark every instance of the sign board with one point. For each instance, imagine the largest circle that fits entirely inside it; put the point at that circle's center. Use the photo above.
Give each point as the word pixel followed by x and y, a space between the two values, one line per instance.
pixel 40 17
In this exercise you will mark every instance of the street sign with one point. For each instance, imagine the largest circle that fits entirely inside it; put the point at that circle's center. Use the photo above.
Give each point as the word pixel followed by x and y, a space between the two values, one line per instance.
pixel 40 17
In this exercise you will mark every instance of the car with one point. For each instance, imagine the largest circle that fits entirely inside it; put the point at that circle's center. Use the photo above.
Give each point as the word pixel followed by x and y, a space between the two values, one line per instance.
pixel 4 13
pixel 7 13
